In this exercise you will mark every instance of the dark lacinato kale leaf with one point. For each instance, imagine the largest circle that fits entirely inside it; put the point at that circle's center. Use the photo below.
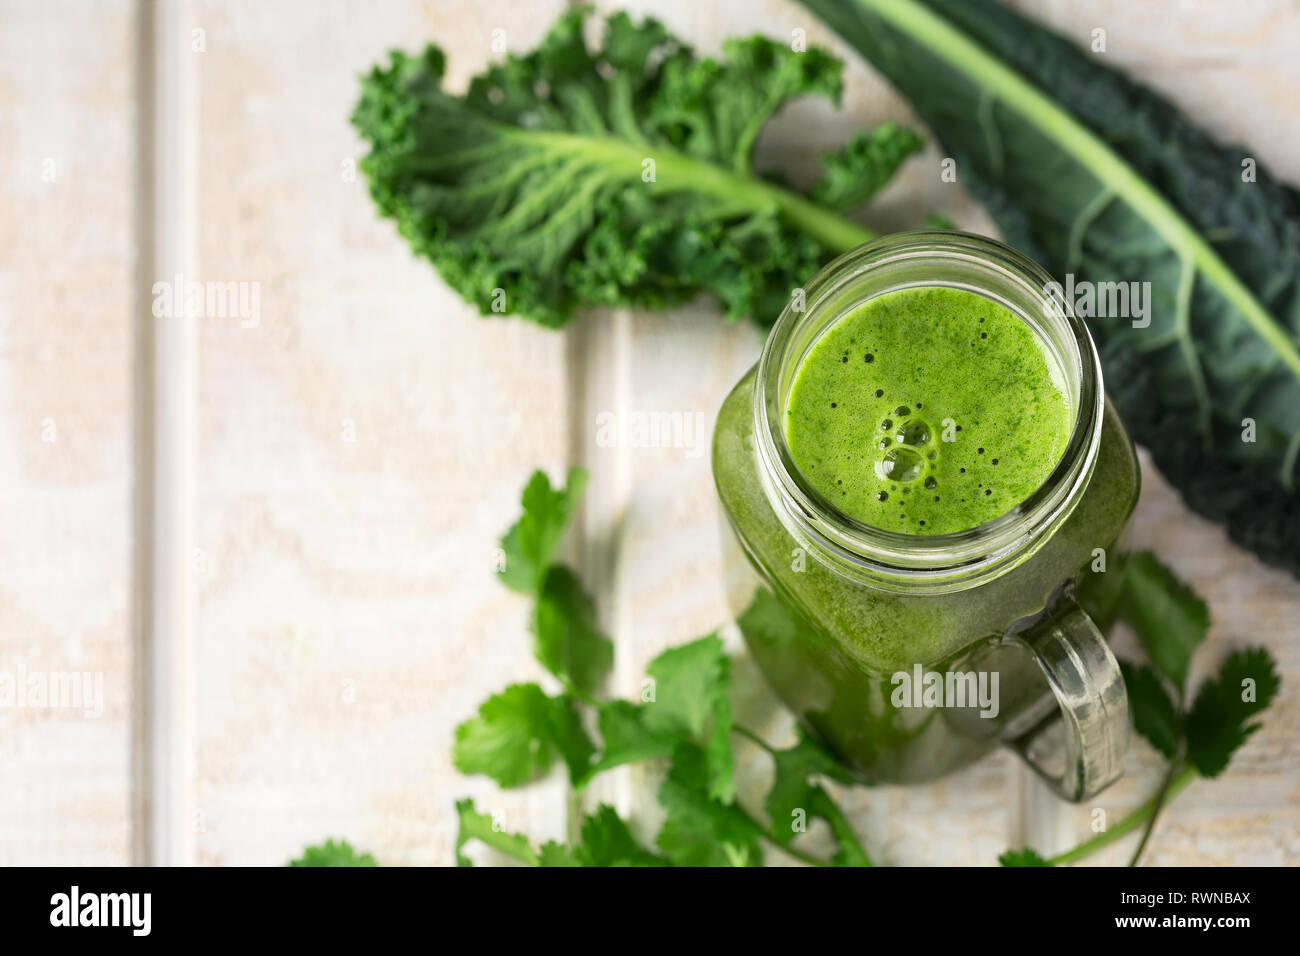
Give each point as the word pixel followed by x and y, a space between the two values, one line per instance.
pixel 1099 177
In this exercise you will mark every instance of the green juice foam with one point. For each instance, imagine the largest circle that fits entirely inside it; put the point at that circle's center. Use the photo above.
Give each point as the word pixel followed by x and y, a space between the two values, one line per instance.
pixel 927 411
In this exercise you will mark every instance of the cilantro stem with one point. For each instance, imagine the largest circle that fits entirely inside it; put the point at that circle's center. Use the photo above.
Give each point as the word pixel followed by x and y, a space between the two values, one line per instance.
pixel 798 854
pixel 1162 796
pixel 753 738
pixel 829 807
pixel 1131 822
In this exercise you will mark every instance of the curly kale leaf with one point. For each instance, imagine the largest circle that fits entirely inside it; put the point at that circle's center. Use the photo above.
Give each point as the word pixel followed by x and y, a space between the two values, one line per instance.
pixel 865 164
pixel 571 177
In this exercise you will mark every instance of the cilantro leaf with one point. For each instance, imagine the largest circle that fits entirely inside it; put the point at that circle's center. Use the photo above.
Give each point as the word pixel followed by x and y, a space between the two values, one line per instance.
pixel 861 168
pixel 557 854
pixel 331 853
pixel 699 830
pixel 687 680
pixel 769 622
pixel 570 738
pixel 718 753
pixel 517 735
pixel 531 542
pixel 481 827
pixel 569 644
pixel 607 841
pixel 795 798
pixel 1222 717
pixel 1025 857
pixel 791 798
pixel 1155 716
pixel 1170 619
pixel 692 687
pixel 849 850
pixel 626 737
pixel 568 641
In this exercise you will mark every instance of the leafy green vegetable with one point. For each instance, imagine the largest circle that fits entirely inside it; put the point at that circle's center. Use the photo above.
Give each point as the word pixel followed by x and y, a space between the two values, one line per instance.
pixel 1155 715
pixel 692 688
pixel 685 717
pixel 331 853
pixel 1024 857
pixel 1171 621
pixel 569 643
pixel 1223 715
pixel 530 544
pixel 570 177
pixel 607 841
pixel 865 165
pixel 849 850
pixel 793 792
pixel 481 827
pixel 1169 617
pixel 557 854
pixel 700 830
pixel 1097 176
pixel 517 735
pixel 626 737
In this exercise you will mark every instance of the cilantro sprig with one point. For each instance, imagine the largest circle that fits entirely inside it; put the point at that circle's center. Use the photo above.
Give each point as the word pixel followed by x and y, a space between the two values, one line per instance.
pixel 1198 739
pixel 683 722
pixel 683 719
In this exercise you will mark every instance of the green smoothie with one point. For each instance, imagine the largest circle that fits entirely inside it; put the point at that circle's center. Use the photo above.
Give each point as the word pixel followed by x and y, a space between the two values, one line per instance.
pixel 927 411
pixel 831 642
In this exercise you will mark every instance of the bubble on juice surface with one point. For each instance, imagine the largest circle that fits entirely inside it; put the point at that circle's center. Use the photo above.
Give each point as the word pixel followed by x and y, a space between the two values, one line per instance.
pixel 913 432
pixel 900 464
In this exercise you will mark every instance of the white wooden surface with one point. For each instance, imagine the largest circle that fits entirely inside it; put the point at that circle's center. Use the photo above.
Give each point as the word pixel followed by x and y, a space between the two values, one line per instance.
pixel 356 454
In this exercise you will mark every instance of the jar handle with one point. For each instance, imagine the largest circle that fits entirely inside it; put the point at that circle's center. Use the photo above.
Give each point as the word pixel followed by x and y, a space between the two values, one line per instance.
pixel 1079 747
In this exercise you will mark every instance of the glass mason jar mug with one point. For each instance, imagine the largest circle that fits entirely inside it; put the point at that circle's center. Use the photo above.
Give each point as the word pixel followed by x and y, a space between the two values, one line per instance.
pixel 835 611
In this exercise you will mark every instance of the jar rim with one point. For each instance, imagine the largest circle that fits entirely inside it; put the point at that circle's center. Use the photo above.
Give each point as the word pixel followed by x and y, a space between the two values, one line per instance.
pixel 928 562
